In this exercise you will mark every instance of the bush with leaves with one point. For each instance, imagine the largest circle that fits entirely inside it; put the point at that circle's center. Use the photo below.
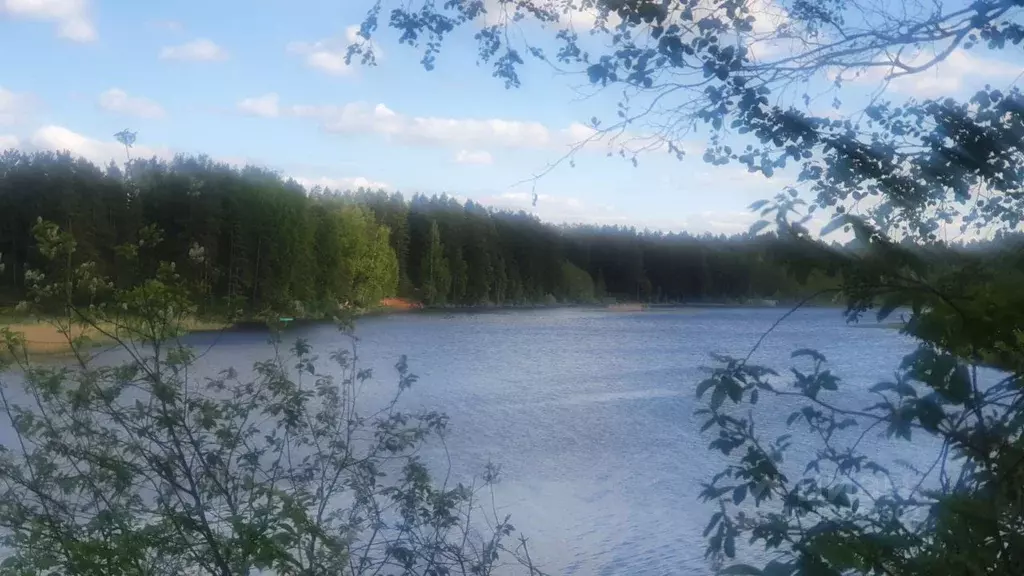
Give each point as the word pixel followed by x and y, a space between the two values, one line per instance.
pixel 901 176
pixel 151 466
pixel 957 397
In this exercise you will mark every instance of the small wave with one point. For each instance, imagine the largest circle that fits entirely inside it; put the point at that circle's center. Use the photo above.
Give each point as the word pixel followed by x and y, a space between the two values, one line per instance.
pixel 601 397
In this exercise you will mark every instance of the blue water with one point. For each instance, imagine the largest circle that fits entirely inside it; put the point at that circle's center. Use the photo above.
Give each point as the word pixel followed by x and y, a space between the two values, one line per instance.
pixel 590 413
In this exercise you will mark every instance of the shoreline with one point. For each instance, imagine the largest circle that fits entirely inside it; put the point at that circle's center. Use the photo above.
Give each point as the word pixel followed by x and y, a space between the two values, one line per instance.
pixel 44 339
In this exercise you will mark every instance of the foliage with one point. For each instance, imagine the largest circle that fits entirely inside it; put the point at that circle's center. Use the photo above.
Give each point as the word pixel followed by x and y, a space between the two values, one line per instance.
pixel 151 465
pixel 435 270
pixel 849 511
pixel 900 177
pixel 580 288
pixel 744 71
pixel 250 241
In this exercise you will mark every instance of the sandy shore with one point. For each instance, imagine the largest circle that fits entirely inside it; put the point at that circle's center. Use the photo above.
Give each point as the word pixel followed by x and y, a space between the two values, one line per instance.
pixel 43 337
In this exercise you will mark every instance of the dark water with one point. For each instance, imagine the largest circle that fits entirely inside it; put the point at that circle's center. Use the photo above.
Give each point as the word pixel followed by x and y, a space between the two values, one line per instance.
pixel 590 413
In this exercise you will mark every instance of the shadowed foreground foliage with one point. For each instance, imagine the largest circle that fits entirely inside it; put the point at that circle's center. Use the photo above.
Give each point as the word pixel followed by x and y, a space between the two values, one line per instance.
pixel 901 176
pixel 149 466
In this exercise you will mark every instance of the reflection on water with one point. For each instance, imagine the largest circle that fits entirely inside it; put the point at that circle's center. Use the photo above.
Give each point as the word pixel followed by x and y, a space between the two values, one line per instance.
pixel 590 413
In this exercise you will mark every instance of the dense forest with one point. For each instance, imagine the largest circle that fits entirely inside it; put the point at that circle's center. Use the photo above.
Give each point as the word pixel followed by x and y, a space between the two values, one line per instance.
pixel 255 240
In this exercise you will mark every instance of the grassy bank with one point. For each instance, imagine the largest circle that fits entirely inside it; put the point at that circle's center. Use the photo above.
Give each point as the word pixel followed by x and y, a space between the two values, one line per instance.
pixel 44 336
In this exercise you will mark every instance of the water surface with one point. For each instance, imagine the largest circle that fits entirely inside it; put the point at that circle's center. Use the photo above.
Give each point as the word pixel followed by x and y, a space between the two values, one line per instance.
pixel 590 412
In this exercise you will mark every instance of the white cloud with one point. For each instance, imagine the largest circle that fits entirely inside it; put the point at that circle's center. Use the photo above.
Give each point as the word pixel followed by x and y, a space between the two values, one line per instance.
pixel 556 208
pixel 329 55
pixel 502 12
pixel 772 36
pixel 466 133
pixel 957 71
pixel 242 161
pixel 72 17
pixel 58 138
pixel 578 132
pixel 769 16
pixel 323 56
pixel 267 106
pixel 14 106
pixel 340 184
pixel 473 157
pixel 582 15
pixel 198 50
pixel 559 209
pixel 360 118
pixel 708 221
pixel 119 102
pixel 583 137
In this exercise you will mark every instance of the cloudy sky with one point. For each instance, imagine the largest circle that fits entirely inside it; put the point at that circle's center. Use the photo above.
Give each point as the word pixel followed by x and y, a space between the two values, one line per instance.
pixel 264 81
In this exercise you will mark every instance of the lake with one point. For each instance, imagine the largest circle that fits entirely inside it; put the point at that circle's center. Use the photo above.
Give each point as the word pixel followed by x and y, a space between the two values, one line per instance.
pixel 590 412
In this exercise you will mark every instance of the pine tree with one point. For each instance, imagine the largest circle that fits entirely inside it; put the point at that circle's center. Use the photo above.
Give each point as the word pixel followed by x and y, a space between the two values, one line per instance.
pixel 437 278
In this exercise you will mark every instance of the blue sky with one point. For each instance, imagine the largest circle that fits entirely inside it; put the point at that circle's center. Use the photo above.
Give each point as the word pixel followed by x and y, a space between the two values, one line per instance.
pixel 262 81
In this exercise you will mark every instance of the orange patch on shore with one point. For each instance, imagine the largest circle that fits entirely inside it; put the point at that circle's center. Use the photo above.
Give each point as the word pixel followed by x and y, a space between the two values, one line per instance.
pixel 43 337
pixel 47 338
pixel 400 304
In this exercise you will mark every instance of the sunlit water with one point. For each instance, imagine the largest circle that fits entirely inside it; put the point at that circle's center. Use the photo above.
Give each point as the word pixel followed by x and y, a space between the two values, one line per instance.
pixel 590 413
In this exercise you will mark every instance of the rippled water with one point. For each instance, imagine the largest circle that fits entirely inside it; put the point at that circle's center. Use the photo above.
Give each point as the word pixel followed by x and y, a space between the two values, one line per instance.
pixel 590 413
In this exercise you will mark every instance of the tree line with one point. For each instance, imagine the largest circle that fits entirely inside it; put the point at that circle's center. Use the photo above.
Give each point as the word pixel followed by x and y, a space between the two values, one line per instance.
pixel 254 240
